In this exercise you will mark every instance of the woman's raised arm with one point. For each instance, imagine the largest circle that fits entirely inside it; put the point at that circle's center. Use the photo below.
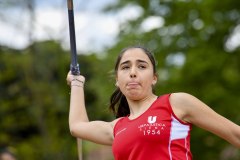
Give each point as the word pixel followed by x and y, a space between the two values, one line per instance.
pixel 96 131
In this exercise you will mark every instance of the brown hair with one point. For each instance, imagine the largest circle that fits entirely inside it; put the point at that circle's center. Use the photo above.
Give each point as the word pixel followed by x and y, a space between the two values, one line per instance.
pixel 118 102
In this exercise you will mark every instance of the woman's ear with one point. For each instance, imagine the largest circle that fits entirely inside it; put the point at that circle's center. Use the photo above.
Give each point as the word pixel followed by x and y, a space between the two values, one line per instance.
pixel 116 79
pixel 154 80
pixel 116 84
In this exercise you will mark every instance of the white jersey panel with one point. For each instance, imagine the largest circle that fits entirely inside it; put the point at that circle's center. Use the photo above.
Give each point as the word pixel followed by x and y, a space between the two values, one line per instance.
pixel 178 130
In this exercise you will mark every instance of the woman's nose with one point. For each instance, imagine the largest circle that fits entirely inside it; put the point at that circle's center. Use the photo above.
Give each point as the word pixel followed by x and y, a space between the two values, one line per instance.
pixel 133 76
pixel 133 73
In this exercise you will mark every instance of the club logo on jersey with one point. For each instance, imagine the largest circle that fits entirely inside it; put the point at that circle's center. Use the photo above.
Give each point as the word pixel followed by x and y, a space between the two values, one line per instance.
pixel 151 127
pixel 152 119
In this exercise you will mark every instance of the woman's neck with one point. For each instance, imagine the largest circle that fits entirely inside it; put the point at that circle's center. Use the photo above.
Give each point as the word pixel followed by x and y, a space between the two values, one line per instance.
pixel 137 107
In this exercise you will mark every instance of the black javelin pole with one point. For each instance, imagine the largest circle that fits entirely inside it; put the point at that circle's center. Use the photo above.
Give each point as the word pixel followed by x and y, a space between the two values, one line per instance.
pixel 74 67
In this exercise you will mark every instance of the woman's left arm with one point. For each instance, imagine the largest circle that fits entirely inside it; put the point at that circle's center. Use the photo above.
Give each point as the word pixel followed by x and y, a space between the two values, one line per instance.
pixel 192 110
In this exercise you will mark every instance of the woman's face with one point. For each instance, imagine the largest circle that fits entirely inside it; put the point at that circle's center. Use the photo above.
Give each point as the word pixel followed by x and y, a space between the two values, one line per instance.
pixel 135 75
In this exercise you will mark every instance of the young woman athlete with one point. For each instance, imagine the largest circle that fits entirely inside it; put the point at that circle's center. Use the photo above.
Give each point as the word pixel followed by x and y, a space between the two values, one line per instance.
pixel 147 126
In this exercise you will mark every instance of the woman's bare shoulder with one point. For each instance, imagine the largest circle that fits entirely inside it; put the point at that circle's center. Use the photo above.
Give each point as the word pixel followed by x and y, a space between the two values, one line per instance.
pixel 182 103
pixel 113 123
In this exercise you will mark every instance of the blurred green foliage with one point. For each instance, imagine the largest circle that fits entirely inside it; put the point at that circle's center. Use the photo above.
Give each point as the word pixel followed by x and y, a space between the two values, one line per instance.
pixel 192 57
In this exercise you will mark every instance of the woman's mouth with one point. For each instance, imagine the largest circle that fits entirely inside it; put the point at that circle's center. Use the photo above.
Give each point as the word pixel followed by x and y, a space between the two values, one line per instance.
pixel 132 85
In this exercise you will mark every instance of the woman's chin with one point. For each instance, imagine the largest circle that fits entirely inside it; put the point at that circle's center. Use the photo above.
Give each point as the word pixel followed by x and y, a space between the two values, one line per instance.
pixel 135 96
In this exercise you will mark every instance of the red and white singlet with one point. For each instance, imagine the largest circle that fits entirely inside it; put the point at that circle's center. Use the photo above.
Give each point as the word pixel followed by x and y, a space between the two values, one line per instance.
pixel 155 135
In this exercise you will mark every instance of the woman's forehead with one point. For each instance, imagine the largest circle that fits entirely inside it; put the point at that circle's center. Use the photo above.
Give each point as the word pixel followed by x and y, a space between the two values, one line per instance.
pixel 133 54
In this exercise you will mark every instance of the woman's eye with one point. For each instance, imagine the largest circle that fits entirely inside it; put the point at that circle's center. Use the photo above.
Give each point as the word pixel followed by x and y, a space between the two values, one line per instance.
pixel 125 67
pixel 141 66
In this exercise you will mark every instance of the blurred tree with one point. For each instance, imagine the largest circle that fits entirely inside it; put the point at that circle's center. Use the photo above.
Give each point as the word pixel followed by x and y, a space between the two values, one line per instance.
pixel 34 100
pixel 28 117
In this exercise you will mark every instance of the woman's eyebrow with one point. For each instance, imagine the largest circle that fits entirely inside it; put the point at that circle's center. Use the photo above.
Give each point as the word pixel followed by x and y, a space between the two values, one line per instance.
pixel 125 62
pixel 142 61
pixel 138 60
